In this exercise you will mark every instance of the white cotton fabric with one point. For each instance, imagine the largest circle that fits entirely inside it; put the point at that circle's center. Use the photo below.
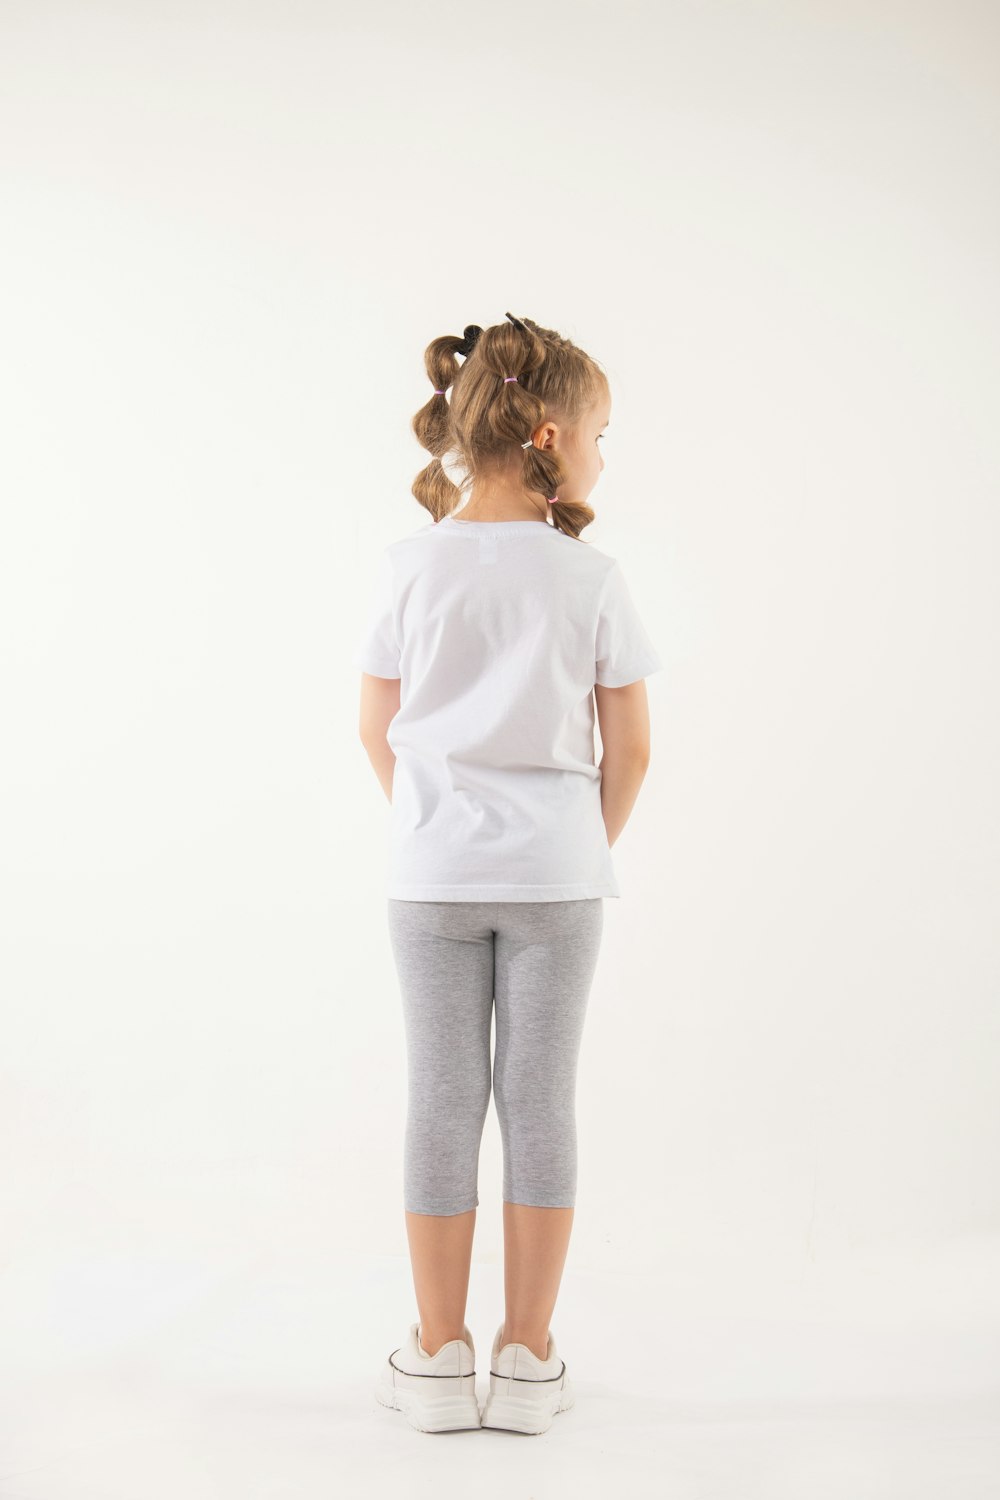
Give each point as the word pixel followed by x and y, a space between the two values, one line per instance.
pixel 498 632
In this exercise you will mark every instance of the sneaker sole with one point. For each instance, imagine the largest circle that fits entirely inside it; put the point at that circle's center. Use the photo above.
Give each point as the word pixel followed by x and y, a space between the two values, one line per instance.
pixel 508 1414
pixel 430 1416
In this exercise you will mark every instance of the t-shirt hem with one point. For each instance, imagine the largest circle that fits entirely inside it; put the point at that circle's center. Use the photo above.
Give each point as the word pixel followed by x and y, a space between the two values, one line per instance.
pixel 572 892
pixel 377 666
pixel 644 666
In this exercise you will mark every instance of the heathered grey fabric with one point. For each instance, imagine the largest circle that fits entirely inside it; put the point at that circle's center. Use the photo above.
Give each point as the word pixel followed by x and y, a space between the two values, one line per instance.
pixel 532 962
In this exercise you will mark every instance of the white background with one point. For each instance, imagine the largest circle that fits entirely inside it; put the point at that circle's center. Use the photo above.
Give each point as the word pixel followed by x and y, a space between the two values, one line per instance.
pixel 228 233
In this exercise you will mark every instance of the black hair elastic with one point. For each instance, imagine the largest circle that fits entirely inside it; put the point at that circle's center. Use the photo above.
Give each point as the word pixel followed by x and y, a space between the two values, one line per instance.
pixel 470 339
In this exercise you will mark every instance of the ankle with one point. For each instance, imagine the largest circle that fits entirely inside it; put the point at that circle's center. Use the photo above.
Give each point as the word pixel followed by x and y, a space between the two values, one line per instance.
pixel 531 1338
pixel 430 1341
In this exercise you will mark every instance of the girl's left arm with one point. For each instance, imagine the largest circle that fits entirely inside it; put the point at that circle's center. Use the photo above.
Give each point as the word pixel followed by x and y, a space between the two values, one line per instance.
pixel 379 706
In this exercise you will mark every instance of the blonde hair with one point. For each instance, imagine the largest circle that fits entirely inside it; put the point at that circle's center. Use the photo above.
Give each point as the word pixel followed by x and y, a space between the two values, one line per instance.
pixel 490 417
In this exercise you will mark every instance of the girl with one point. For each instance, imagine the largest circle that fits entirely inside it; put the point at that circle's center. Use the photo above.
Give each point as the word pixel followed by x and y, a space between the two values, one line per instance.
pixel 493 635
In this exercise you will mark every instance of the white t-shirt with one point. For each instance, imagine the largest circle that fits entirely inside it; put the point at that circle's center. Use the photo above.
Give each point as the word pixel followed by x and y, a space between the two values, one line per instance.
pixel 498 632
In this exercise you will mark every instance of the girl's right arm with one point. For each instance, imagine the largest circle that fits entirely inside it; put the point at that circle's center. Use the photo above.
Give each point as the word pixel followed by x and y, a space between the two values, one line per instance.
pixel 623 717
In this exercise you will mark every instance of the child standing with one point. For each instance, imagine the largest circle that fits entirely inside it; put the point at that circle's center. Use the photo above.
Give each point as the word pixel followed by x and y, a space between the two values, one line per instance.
pixel 494 634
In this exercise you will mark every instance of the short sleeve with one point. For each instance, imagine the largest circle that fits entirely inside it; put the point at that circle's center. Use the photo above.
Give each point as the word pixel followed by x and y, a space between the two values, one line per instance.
pixel 624 653
pixel 377 649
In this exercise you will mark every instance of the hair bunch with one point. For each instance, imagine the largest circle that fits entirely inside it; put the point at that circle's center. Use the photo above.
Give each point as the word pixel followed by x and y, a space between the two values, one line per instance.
pixel 489 417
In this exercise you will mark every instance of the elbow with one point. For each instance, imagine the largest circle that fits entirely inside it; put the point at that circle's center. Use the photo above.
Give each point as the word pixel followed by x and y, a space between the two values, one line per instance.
pixel 372 735
pixel 632 753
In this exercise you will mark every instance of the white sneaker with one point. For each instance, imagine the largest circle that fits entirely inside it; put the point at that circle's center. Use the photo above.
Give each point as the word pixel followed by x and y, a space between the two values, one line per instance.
pixel 525 1391
pixel 435 1392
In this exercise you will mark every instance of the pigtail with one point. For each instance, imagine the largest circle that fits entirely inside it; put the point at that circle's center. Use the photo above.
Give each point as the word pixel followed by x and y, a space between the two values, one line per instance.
pixel 432 428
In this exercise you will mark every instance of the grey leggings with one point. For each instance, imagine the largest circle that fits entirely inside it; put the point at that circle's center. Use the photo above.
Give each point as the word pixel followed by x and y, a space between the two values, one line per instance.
pixel 534 961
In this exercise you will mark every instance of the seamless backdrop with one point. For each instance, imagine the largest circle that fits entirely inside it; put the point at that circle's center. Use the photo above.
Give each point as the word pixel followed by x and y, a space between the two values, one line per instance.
pixel 228 234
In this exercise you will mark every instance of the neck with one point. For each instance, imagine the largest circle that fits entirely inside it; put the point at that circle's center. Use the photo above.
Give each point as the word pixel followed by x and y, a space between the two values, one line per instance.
pixel 516 507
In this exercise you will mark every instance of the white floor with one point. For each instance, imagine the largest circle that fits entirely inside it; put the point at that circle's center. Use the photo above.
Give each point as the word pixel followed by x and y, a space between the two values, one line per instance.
pixel 142 1382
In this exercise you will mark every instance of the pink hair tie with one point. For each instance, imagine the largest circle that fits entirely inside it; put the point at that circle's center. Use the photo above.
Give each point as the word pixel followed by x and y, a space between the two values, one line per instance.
pixel 509 377
pixel 439 393
pixel 554 499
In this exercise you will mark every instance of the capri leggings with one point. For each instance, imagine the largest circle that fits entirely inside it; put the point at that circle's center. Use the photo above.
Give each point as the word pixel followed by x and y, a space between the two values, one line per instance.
pixel 533 962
